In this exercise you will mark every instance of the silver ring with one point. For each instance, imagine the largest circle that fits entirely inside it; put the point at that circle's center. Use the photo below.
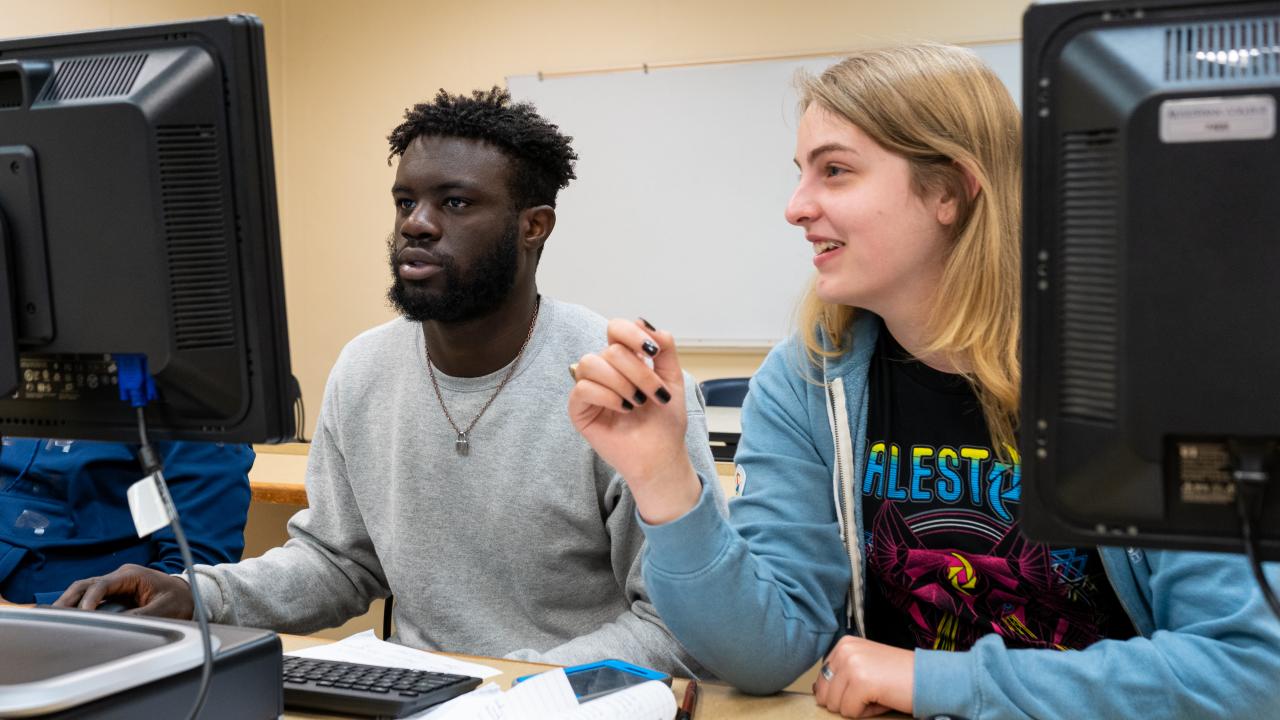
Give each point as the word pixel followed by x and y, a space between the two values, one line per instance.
pixel 826 672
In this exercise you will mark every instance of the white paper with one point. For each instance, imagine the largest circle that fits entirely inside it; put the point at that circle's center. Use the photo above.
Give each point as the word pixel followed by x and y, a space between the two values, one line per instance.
pixel 548 696
pixel 647 701
pixel 542 697
pixel 366 649
pixel 545 695
pixel 146 506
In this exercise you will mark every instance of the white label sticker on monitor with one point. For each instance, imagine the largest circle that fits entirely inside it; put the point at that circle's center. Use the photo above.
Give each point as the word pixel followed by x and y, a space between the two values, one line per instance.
pixel 1246 117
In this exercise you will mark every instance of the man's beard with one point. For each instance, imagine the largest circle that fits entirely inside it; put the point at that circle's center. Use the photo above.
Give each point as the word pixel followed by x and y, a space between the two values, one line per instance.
pixel 465 296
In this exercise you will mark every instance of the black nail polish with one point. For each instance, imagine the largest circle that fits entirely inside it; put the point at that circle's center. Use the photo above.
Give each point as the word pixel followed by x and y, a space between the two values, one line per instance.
pixel 626 405
pixel 650 348
pixel 663 395
pixel 640 398
pixel 648 325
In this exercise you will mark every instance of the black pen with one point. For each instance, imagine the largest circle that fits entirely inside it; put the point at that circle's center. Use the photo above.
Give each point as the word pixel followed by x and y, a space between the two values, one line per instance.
pixel 690 701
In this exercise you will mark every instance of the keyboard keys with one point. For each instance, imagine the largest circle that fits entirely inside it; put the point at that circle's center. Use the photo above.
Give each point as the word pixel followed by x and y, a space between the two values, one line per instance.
pixel 365 689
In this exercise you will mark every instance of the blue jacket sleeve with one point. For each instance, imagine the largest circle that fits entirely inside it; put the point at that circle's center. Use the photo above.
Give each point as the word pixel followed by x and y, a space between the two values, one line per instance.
pixel 209 483
pixel 1214 652
pixel 757 598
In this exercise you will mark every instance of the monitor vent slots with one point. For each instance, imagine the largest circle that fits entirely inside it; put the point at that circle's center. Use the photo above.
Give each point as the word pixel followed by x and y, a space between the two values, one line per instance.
pixel 93 77
pixel 1227 50
pixel 194 227
pixel 1089 293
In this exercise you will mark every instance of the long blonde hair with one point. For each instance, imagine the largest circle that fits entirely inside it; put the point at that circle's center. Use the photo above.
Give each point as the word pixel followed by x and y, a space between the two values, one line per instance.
pixel 942 109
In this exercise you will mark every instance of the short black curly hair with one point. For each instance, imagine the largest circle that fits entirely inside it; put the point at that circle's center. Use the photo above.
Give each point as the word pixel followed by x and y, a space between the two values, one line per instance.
pixel 541 155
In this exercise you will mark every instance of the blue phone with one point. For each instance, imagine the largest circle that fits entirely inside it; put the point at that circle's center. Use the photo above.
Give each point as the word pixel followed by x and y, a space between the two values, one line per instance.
pixel 592 680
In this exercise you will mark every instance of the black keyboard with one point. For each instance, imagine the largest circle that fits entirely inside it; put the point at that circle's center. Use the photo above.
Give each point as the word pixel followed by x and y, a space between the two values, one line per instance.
pixel 342 687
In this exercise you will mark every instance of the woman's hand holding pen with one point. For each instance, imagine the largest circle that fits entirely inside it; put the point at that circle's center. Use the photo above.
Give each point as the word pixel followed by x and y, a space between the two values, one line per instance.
pixel 634 417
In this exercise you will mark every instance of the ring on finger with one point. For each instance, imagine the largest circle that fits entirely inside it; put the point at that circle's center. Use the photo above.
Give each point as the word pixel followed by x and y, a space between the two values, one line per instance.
pixel 826 672
pixel 573 371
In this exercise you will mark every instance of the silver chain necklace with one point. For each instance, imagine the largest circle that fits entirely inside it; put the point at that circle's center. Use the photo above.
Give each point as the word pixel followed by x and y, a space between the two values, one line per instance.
pixel 463 443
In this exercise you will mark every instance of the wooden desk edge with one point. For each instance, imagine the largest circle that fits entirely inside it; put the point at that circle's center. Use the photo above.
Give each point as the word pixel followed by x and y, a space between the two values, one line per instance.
pixel 293 448
pixel 293 490
pixel 281 493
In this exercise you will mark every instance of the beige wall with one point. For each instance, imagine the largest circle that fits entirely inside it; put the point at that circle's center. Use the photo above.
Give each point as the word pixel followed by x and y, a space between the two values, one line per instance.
pixel 352 67
pixel 341 74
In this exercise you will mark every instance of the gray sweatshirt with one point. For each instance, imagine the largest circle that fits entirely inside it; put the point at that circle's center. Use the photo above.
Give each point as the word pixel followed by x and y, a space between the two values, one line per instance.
pixel 528 547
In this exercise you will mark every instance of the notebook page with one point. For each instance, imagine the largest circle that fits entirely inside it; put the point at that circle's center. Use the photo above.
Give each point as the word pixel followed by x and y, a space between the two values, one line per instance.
pixel 647 701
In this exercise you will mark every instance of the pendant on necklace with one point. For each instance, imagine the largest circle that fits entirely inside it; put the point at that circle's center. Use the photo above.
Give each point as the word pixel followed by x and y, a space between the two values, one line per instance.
pixel 462 445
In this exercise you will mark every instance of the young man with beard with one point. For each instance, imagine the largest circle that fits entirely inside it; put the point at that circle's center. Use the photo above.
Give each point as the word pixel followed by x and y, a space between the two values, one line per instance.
pixel 444 468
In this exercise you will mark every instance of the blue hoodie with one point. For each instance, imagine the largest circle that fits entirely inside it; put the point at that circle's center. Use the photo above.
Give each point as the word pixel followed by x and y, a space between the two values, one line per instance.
pixel 762 595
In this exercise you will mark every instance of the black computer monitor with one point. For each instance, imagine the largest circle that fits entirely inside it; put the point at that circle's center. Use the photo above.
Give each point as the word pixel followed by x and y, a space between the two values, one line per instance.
pixel 138 216
pixel 1151 261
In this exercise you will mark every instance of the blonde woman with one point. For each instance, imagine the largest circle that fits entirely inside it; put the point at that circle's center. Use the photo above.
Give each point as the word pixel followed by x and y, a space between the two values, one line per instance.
pixel 878 522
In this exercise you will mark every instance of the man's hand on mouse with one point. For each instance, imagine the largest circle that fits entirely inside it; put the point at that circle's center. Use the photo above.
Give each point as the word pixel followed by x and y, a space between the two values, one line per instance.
pixel 151 592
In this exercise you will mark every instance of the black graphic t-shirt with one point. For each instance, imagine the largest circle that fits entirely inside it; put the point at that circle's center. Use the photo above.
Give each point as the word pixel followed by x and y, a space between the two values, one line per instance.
pixel 946 563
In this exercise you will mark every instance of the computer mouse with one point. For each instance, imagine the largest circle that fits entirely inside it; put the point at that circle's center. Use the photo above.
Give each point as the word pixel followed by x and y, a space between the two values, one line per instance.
pixel 112 606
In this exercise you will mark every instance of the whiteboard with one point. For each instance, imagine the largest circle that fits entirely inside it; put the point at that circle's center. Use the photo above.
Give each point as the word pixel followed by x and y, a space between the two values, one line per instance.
pixel 683 176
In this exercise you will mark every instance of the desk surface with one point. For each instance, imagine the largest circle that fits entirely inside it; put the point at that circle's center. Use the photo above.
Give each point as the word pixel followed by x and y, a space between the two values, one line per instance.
pixel 279 471
pixel 717 702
